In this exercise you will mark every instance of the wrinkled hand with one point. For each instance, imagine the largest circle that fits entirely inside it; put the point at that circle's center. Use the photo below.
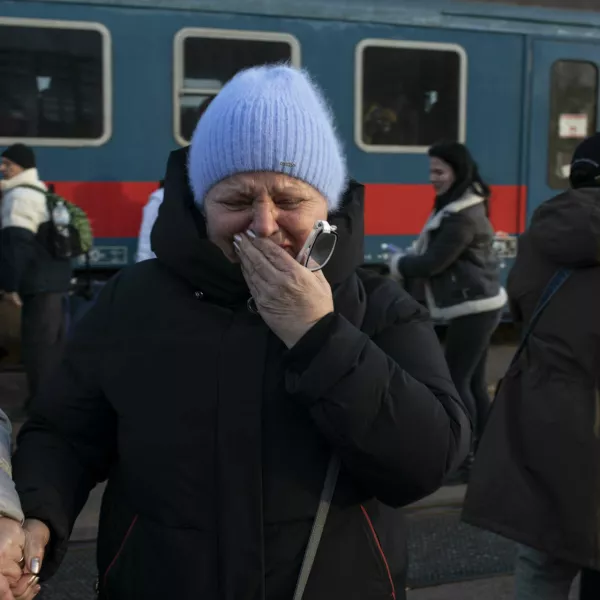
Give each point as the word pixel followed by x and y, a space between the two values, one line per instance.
pixel 27 588
pixel 37 536
pixel 12 542
pixel 5 591
pixel 12 298
pixel 289 297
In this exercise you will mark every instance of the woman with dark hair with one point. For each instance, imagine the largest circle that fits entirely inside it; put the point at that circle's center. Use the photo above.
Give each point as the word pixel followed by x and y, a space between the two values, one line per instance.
pixel 454 257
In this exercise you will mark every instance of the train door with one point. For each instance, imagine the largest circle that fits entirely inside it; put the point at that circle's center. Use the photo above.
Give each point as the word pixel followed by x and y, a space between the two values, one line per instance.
pixel 564 110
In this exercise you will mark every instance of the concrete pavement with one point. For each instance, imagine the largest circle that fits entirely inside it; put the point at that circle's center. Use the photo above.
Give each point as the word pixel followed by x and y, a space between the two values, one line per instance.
pixel 493 588
pixel 449 496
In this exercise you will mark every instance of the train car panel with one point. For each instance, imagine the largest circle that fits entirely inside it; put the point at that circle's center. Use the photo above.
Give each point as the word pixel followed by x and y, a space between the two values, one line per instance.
pixel 89 45
pixel 398 77
pixel 373 67
pixel 197 74
pixel 564 110
pixel 535 18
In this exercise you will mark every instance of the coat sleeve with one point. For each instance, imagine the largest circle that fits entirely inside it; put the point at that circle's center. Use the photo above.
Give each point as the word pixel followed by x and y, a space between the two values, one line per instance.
pixel 387 405
pixel 69 442
pixel 10 506
pixel 454 236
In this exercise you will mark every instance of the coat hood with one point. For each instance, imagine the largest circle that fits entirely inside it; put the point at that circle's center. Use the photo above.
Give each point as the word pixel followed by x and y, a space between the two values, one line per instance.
pixel 567 228
pixel 179 239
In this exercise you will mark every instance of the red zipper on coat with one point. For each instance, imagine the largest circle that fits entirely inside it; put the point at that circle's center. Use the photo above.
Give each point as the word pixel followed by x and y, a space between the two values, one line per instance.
pixel 114 560
pixel 380 549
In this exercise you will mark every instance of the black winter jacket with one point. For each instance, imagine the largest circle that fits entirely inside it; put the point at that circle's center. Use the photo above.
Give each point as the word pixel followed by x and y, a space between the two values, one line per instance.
pixel 457 261
pixel 215 438
pixel 545 439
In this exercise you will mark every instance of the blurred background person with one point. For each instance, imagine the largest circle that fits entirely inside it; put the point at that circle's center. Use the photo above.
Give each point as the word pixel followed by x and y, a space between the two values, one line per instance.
pixel 455 261
pixel 149 215
pixel 150 212
pixel 30 276
pixel 536 480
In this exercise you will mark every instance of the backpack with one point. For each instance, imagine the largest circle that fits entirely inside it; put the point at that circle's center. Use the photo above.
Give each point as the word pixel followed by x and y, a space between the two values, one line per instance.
pixel 68 233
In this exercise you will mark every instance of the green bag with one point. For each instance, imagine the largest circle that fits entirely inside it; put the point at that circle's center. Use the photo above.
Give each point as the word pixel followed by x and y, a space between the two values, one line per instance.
pixel 68 233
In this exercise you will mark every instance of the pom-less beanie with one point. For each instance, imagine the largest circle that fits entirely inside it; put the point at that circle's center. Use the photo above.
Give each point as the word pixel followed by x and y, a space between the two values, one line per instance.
pixel 585 165
pixel 269 118
pixel 21 155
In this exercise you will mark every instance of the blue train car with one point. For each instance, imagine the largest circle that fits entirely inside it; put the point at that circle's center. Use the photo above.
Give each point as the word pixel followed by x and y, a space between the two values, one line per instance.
pixel 105 89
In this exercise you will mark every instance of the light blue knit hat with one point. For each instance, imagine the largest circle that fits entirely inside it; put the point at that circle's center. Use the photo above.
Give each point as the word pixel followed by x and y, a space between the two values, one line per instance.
pixel 270 118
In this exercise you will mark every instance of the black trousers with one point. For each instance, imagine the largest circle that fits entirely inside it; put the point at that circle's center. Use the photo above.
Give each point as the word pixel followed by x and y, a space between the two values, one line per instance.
pixel 467 344
pixel 42 337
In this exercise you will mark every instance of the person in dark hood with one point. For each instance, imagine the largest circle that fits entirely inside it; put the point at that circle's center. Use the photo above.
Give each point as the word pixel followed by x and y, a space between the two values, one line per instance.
pixel 545 492
pixel 455 260
pixel 221 424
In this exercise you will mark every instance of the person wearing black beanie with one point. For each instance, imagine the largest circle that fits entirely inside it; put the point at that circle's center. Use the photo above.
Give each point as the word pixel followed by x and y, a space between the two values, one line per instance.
pixel 30 276
pixel 21 156
pixel 585 165
pixel 459 269
pixel 536 475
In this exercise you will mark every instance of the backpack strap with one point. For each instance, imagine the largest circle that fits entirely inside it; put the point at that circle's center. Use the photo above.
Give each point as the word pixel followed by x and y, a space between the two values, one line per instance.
pixel 372 283
pixel 557 281
pixel 29 186
pixel 333 469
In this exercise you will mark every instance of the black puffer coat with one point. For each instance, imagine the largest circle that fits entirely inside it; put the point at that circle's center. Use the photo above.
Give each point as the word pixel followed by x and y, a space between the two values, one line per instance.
pixel 215 438
pixel 545 488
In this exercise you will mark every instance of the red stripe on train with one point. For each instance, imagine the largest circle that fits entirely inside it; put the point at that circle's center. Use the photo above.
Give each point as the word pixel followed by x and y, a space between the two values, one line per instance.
pixel 115 208
pixel 392 209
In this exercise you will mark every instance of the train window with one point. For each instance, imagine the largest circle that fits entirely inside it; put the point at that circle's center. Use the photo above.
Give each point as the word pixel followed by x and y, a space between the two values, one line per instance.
pixel 54 82
pixel 205 59
pixel 409 95
pixel 573 110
